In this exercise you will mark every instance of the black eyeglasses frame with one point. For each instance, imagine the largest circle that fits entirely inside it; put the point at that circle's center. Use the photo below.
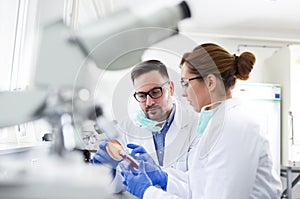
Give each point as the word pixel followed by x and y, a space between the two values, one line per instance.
pixel 148 93
pixel 185 82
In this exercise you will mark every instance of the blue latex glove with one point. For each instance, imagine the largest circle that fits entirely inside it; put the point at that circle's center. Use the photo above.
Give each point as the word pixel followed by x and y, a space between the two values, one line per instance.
pixel 139 153
pixel 102 157
pixel 137 183
pixel 157 176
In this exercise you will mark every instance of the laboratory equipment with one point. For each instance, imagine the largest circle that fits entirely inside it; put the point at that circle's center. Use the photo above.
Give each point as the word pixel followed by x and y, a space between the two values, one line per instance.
pixel 283 68
pixel 115 149
pixel 47 176
pixel 131 38
pixel 61 76
pixel 21 106
pixel 264 102
pixel 113 43
pixel 61 56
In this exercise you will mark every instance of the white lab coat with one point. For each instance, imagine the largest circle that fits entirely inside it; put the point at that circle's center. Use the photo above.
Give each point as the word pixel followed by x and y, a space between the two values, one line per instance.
pixel 180 140
pixel 232 161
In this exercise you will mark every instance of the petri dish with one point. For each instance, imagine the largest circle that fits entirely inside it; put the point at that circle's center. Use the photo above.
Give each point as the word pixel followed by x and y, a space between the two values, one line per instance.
pixel 116 151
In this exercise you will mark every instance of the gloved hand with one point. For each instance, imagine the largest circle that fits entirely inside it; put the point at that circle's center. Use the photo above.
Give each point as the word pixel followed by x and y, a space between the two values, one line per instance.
pixel 157 176
pixel 137 183
pixel 102 157
pixel 139 153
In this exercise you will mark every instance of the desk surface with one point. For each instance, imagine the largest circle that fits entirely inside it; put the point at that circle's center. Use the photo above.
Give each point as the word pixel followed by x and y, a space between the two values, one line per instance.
pixel 6 149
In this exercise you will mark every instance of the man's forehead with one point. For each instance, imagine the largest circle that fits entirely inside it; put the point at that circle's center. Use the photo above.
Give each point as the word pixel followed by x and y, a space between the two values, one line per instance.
pixel 148 80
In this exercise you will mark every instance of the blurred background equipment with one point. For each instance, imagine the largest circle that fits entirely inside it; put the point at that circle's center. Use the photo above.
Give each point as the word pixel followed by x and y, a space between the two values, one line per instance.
pixel 264 101
pixel 62 52
pixel 283 68
pixel 115 42
pixel 60 95
pixel 19 107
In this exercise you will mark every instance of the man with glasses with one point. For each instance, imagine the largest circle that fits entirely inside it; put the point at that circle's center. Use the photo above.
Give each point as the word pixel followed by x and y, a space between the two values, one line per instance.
pixel 164 128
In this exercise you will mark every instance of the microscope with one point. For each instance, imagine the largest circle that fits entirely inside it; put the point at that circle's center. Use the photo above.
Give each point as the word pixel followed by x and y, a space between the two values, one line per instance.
pixel 61 96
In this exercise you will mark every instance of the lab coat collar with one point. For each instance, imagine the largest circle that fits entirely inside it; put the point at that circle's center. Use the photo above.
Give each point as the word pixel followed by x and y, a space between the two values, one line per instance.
pixel 179 134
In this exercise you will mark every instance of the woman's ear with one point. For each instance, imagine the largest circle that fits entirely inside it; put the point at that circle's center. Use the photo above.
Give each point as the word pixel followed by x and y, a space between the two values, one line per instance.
pixel 211 82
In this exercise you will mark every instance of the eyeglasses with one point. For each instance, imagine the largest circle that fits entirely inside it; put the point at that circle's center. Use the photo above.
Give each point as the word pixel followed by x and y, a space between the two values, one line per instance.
pixel 185 82
pixel 154 93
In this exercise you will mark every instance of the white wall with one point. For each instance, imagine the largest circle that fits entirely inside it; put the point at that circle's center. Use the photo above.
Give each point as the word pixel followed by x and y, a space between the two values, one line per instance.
pixel 170 52
pixel 262 49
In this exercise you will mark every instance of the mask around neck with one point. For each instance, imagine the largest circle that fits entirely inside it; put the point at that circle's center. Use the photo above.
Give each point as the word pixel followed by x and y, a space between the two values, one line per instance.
pixel 205 116
pixel 144 122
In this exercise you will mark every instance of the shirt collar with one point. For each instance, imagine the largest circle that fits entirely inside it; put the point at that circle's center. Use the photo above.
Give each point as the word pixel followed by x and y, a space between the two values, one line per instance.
pixel 171 117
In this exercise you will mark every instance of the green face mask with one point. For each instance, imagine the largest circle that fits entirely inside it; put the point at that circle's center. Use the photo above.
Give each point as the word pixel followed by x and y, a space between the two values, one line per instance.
pixel 205 116
pixel 144 122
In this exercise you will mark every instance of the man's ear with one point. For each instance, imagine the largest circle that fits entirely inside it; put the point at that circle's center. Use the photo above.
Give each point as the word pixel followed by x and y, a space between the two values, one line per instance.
pixel 172 88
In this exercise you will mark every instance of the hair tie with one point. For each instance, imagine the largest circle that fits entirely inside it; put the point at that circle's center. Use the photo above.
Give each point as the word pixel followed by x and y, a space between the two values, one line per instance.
pixel 236 58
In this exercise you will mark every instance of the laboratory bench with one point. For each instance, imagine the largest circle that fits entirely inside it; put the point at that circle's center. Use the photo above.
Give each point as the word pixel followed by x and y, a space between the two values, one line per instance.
pixel 29 172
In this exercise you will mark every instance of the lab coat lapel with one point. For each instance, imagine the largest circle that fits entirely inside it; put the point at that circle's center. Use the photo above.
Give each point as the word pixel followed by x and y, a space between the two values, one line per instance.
pixel 142 137
pixel 177 138
pixel 147 142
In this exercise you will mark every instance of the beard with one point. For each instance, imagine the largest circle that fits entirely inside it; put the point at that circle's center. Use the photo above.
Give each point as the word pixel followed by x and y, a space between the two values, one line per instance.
pixel 155 112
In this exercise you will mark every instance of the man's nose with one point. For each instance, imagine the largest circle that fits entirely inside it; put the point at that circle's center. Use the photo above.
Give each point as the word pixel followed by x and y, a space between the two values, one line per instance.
pixel 149 101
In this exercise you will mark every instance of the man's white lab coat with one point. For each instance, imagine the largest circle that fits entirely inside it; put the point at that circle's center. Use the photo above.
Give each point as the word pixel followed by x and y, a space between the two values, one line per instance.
pixel 180 140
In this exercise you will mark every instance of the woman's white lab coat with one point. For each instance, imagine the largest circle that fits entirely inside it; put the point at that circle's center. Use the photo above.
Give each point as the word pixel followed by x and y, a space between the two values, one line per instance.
pixel 179 143
pixel 232 161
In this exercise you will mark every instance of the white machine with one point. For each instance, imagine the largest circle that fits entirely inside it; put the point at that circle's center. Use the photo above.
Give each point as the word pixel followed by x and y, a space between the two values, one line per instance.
pixel 284 68
pixel 264 102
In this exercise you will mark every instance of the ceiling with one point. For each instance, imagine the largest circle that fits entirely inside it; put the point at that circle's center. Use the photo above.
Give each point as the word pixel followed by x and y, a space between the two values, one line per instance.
pixel 257 19
pixel 276 20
